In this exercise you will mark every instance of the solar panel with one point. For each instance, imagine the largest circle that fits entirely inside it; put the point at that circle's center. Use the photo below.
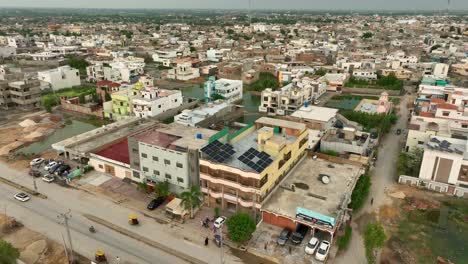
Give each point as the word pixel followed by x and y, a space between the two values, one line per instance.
pixel 218 151
pixel 256 160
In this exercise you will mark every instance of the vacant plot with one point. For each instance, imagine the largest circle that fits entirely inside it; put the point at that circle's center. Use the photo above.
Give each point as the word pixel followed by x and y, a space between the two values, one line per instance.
pixel 428 227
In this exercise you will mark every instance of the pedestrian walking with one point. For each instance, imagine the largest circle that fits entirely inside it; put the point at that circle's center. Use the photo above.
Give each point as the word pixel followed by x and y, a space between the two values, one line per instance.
pixel 372 201
pixel 117 259
pixel 206 241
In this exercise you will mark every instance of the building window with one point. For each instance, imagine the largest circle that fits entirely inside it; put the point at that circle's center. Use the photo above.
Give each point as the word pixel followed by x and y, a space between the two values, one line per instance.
pixel 179 165
pixel 136 163
pixel 420 142
pixel 167 162
pixel 445 113
pixel 135 150
pixel 100 166
pixel 180 180
pixel 155 172
pixel 264 180
pixel 136 174
pixel 145 169
pixel 143 155
pixel 155 158
pixel 168 176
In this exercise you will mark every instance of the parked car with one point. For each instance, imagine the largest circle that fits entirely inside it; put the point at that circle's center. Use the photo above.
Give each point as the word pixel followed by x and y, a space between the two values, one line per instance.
pixel 54 168
pixel 22 197
pixel 299 234
pixel 63 169
pixel 155 203
pixel 322 251
pixel 312 246
pixel 316 102
pixel 48 178
pixel 49 165
pixel 219 221
pixel 35 173
pixel 283 237
pixel 36 162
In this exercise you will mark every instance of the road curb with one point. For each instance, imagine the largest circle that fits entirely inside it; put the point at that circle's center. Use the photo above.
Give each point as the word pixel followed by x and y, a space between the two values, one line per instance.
pixel 145 240
pixel 23 188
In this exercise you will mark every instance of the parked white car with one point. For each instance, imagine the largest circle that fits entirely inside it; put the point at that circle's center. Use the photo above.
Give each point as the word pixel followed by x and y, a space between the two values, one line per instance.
pixel 322 251
pixel 36 162
pixel 48 178
pixel 50 165
pixel 22 197
pixel 312 246
pixel 219 221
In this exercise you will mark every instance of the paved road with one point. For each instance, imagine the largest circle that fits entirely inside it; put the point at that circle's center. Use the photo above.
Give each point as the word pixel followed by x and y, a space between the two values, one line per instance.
pixel 383 177
pixel 40 215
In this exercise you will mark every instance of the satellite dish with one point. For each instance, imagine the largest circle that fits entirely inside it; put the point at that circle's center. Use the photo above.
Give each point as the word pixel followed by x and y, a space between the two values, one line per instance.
pixel 325 179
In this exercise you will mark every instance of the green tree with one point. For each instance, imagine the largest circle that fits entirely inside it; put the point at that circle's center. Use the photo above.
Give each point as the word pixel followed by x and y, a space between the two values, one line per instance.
pixel 367 35
pixel 162 189
pixel 320 72
pixel 191 199
pixel 360 192
pixel 374 238
pixel 77 63
pixel 82 98
pixel 8 253
pixel 240 227
pixel 343 241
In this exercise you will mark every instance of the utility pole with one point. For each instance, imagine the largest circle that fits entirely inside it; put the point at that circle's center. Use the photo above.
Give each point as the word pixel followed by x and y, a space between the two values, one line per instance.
pixel 34 183
pixel 66 216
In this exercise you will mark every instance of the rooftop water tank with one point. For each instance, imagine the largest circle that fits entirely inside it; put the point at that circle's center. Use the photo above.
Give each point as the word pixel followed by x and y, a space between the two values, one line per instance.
pixel 199 136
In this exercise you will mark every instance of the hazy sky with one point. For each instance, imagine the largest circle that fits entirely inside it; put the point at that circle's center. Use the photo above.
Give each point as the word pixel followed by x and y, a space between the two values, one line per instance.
pixel 241 4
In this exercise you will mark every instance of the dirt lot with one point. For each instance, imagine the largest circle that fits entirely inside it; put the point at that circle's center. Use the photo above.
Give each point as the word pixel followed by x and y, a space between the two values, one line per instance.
pixel 22 128
pixel 34 247
pixel 425 227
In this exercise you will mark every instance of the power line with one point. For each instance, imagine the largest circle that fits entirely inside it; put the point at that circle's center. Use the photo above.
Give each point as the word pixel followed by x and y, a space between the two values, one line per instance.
pixel 66 216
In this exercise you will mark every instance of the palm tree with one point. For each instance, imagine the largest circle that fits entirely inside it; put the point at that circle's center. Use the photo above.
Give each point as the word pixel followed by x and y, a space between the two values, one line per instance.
pixel 8 254
pixel 162 189
pixel 191 199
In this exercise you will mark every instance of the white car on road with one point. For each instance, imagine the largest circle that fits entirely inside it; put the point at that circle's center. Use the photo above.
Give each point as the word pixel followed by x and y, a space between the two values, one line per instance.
pixel 219 221
pixel 36 162
pixel 22 197
pixel 48 178
pixel 322 251
pixel 312 246
pixel 50 165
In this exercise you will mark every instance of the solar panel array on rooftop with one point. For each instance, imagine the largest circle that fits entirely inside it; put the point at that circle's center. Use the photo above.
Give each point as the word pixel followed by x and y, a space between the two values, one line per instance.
pixel 218 151
pixel 256 160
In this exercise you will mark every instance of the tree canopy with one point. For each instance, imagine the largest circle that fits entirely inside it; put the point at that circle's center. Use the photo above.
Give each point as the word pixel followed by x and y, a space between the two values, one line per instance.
pixel 8 253
pixel 240 227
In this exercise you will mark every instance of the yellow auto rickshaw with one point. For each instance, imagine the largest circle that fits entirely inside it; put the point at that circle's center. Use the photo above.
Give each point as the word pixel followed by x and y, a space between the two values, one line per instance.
pixel 133 220
pixel 100 257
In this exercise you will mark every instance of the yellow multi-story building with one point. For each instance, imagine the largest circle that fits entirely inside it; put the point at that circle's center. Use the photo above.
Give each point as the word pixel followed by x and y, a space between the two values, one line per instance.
pixel 121 104
pixel 240 170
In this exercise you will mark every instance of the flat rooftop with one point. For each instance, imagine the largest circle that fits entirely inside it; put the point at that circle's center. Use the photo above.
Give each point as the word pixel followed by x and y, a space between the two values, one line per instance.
pixel 318 113
pixel 117 152
pixel 273 122
pixel 310 193
pixel 170 136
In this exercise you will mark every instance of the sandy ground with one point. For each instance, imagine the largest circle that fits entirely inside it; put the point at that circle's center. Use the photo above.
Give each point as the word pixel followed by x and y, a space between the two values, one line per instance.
pixel 34 247
pixel 21 128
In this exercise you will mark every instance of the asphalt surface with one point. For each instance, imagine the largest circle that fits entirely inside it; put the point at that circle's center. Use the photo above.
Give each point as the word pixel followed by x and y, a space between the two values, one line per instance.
pixel 41 215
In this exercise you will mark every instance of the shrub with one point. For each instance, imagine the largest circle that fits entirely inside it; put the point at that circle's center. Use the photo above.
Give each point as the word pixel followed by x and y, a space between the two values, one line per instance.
pixel 374 238
pixel 330 153
pixel 360 192
pixel 240 227
pixel 8 253
pixel 343 241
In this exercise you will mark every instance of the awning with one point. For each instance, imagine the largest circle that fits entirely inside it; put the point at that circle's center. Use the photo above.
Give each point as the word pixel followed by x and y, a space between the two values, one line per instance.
pixel 175 207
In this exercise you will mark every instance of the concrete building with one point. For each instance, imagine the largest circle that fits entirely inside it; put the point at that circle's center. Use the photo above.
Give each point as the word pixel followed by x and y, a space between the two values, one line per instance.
pixel 60 78
pixel 239 171
pixel 444 166
pixel 316 194
pixel 214 55
pixel 286 100
pixel 346 141
pixel 153 101
pixel 183 72
pixel 20 94
pixel 168 153
pixel 230 90
pixel 164 57
pixel 99 72
pixel 7 52
pixel 199 115
pixel 121 105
